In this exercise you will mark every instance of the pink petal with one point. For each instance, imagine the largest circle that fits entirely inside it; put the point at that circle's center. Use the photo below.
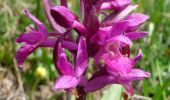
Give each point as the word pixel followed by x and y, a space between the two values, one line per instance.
pixel 80 28
pixel 117 64
pixel 31 37
pixel 102 71
pixel 23 52
pixel 136 19
pixel 121 39
pixel 136 35
pixel 82 58
pixel 118 15
pixel 82 81
pixel 63 16
pixel 99 37
pixel 98 83
pixel 138 56
pixel 121 15
pixel 64 66
pixel 38 23
pixel 65 82
pixel 118 28
pixel 137 74
pixel 119 4
pixel 69 45
pixel 116 4
pixel 47 6
pixel 50 42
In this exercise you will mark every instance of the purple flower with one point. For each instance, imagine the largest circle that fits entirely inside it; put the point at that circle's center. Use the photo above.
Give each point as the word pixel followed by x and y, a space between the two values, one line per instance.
pixel 116 33
pixel 119 71
pixel 107 40
pixel 72 76
pixel 34 38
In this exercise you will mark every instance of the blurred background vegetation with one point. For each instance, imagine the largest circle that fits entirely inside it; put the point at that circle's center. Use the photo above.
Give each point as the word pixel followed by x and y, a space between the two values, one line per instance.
pixel 35 80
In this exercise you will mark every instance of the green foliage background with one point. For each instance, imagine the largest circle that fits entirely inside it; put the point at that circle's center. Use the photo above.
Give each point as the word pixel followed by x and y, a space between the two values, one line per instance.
pixel 155 47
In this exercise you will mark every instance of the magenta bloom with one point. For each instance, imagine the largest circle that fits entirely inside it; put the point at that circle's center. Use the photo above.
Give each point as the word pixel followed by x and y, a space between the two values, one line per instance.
pixel 119 70
pixel 72 75
pixel 106 39
pixel 33 38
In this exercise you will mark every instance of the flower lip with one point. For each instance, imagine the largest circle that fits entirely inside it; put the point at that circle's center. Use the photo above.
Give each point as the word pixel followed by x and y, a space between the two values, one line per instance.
pixel 63 16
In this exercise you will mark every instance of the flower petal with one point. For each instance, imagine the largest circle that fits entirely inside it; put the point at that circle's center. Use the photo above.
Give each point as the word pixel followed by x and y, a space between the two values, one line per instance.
pixel 136 19
pixel 82 81
pixel 64 66
pixel 139 56
pixel 136 35
pixel 102 71
pixel 118 28
pixel 80 28
pixel 98 83
pixel 41 27
pixel 117 64
pixel 65 82
pixel 123 40
pixel 82 58
pixel 23 52
pixel 50 42
pixel 47 6
pixel 69 45
pixel 63 16
pixel 137 74
pixel 116 4
pixel 118 15
pixel 100 36
pixel 31 37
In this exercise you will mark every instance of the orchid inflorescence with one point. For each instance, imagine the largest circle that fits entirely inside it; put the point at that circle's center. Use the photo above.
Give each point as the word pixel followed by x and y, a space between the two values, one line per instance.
pixel 106 39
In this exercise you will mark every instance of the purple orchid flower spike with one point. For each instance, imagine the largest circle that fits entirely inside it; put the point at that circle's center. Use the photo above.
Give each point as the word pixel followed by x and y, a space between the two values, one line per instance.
pixel 119 71
pixel 107 40
pixel 33 39
pixel 72 76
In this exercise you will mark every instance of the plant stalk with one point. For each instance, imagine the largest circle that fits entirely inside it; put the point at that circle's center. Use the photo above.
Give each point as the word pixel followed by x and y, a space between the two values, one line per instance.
pixel 81 94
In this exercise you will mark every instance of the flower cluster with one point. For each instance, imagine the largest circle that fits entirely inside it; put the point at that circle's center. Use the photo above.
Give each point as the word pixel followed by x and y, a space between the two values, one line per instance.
pixel 106 39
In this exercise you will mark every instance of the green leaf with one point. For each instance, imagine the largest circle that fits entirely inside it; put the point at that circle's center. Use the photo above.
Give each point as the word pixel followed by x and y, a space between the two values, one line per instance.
pixel 161 89
pixel 113 93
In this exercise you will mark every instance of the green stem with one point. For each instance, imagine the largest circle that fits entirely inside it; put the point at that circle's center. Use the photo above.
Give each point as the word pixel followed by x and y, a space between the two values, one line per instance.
pixel 68 96
pixel 38 8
